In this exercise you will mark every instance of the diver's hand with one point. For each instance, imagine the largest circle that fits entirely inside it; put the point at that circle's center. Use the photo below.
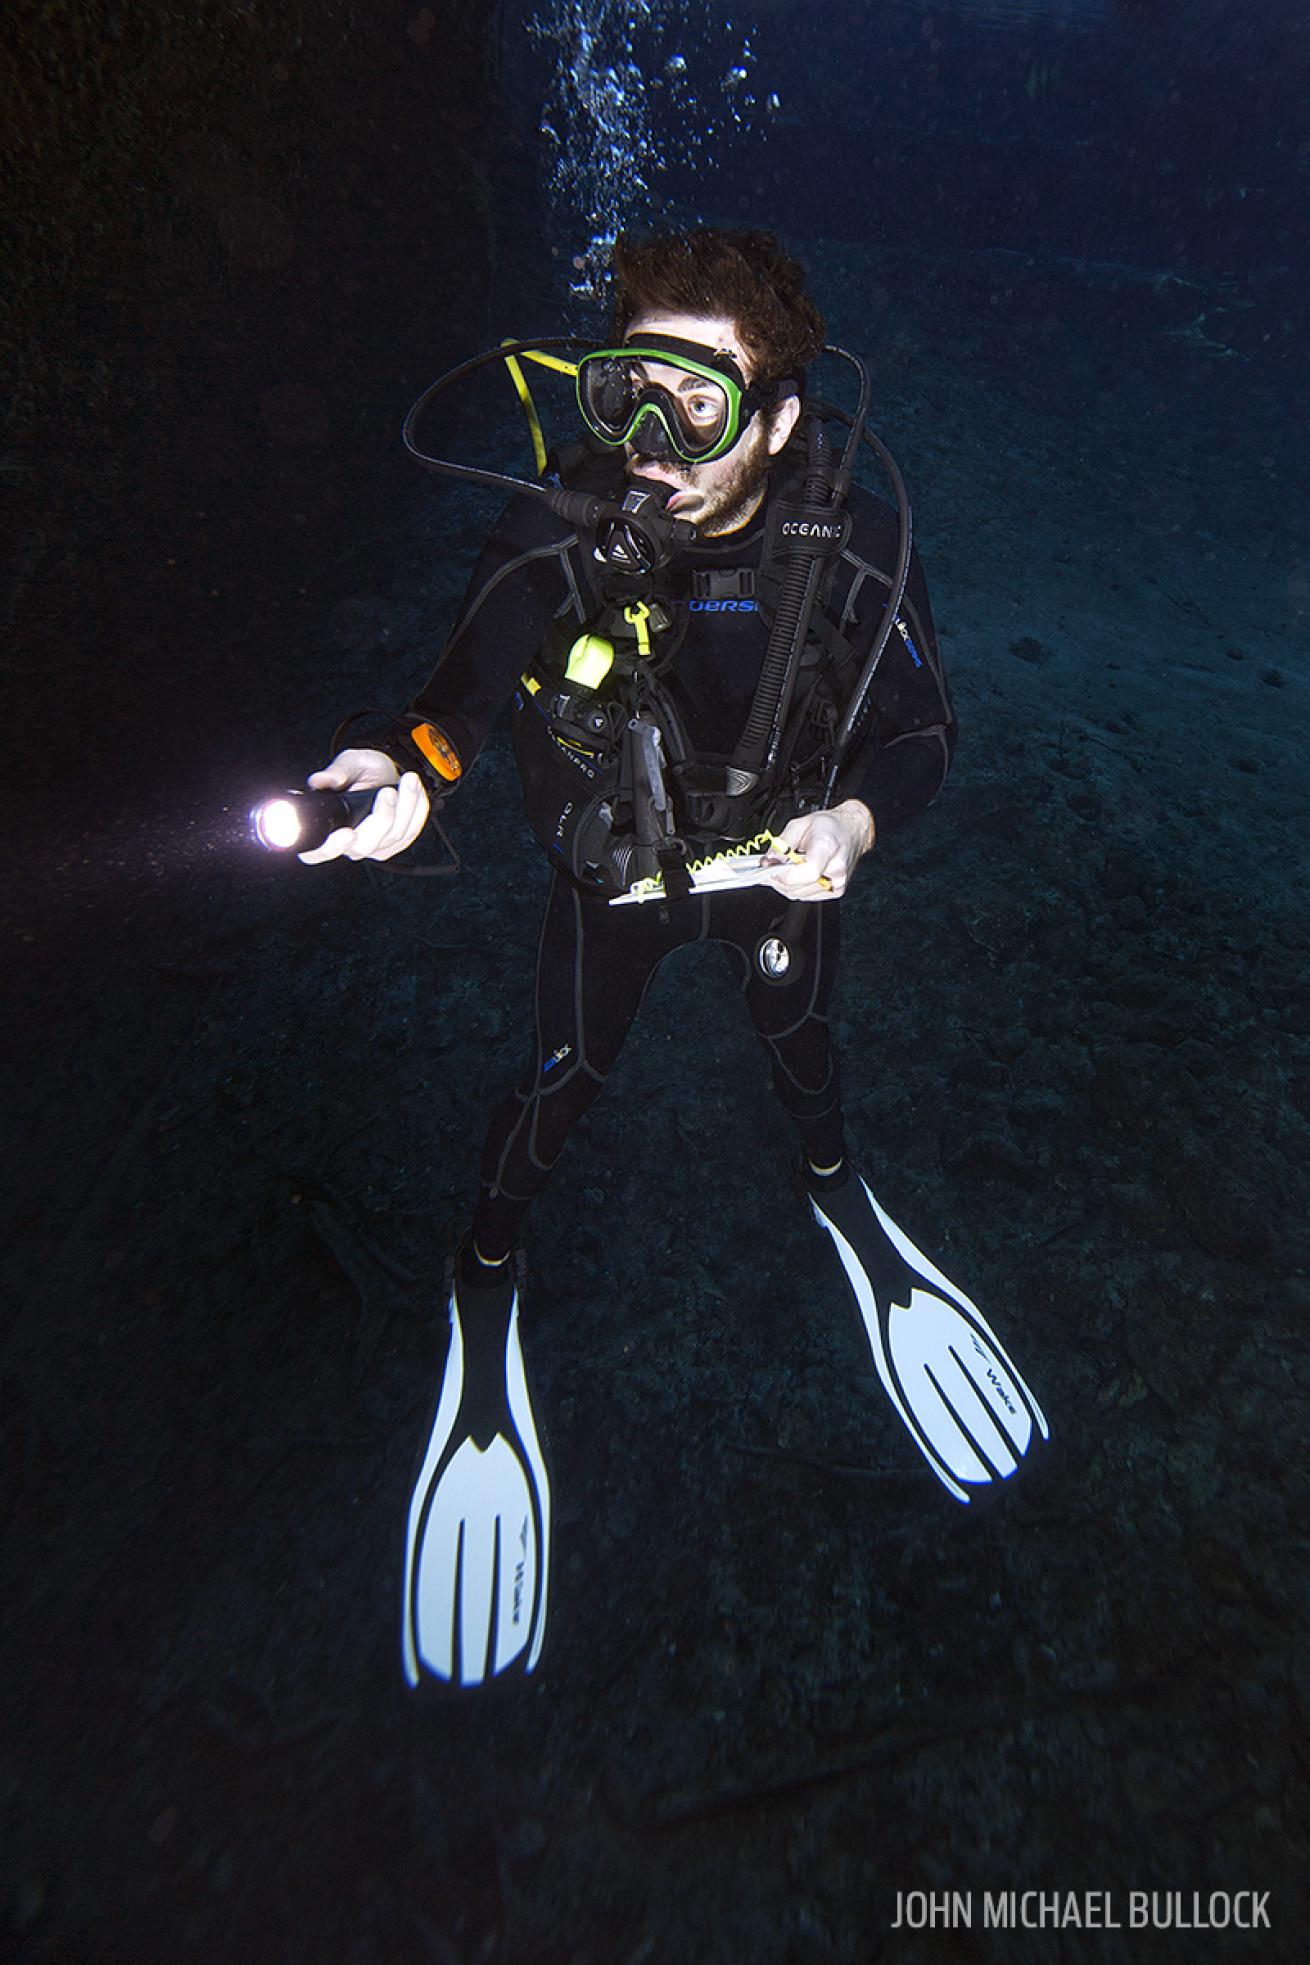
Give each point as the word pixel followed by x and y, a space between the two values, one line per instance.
pixel 399 811
pixel 831 844
pixel 355 771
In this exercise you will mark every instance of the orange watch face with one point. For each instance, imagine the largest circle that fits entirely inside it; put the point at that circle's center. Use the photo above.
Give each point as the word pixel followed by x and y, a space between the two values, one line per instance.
pixel 438 750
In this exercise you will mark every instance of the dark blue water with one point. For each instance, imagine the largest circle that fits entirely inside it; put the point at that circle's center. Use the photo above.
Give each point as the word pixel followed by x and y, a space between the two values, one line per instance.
pixel 1067 238
pixel 787 1683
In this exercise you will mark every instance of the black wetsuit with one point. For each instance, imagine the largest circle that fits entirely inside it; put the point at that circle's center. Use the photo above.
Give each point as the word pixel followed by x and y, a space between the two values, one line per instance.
pixel 594 962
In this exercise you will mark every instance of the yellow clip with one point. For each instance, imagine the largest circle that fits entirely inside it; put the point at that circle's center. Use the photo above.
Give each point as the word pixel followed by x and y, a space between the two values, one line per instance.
pixel 637 615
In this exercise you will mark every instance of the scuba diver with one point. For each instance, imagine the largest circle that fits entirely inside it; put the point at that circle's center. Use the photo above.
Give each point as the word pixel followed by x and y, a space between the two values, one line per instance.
pixel 725 689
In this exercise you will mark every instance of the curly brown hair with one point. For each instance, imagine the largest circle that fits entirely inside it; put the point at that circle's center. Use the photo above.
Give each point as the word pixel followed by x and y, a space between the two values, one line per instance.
pixel 745 277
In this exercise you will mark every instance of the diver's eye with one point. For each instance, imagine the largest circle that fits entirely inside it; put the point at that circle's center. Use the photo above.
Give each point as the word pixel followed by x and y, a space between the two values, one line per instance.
pixel 702 409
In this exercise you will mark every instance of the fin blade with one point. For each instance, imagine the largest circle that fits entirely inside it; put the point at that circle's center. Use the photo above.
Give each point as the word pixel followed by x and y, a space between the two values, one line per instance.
pixel 478 1529
pixel 877 1321
pixel 915 1259
pixel 520 1407
pixel 476 1572
pixel 443 1425
pixel 953 1385
pixel 969 1407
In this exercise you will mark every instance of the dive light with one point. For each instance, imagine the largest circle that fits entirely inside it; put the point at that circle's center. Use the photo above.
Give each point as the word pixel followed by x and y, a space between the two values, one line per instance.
pixel 298 821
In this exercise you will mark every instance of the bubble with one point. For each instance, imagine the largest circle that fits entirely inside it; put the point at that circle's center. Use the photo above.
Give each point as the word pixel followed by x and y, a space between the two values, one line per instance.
pixel 611 146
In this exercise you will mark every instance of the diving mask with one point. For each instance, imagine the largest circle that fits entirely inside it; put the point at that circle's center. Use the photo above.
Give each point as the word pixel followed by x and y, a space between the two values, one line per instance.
pixel 664 397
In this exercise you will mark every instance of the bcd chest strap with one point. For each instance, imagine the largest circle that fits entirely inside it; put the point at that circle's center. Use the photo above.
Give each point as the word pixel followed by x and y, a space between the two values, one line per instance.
pixel 724 583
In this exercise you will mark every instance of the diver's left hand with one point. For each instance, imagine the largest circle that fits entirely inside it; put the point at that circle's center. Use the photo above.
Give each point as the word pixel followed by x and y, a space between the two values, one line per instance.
pixel 831 844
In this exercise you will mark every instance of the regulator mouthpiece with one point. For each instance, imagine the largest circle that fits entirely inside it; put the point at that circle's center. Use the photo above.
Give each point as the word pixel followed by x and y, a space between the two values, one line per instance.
pixel 298 821
pixel 641 536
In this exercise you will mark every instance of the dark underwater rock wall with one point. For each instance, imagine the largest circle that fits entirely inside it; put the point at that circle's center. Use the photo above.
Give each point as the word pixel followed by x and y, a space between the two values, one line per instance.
pixel 245 236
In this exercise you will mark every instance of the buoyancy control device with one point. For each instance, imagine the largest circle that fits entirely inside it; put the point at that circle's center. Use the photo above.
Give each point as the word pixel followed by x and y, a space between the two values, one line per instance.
pixel 611 786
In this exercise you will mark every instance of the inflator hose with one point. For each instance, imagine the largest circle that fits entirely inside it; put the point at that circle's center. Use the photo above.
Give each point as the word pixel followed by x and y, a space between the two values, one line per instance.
pixel 758 743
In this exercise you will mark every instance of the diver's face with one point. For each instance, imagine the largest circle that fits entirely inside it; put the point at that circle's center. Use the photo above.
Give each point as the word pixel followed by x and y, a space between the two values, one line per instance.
pixel 719 496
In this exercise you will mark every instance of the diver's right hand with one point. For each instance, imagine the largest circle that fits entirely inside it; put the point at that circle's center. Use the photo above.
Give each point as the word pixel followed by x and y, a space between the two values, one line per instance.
pixel 398 815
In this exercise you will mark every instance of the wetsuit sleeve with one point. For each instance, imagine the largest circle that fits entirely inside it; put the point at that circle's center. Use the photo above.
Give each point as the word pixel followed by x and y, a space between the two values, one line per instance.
pixel 905 745
pixel 523 580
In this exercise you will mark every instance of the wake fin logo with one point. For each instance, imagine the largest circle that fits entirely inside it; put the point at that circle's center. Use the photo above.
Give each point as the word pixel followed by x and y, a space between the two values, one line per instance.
pixel 520 1574
pixel 993 1376
pixel 1001 1392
